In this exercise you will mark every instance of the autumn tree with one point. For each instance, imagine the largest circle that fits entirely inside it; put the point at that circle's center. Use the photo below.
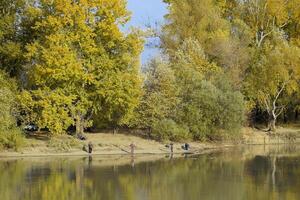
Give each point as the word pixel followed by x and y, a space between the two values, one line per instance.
pixel 273 77
pixel 80 64
pixel 10 135
pixel 219 38
pixel 273 70
pixel 263 17
pixel 11 59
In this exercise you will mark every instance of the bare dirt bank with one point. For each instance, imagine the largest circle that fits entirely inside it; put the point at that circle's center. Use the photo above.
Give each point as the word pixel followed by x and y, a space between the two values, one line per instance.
pixel 283 135
pixel 118 144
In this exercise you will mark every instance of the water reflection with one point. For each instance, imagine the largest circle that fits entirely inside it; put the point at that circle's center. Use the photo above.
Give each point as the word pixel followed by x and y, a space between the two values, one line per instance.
pixel 245 173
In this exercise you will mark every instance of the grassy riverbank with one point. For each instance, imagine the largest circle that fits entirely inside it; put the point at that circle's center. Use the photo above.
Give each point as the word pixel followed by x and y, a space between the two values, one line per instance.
pixel 118 144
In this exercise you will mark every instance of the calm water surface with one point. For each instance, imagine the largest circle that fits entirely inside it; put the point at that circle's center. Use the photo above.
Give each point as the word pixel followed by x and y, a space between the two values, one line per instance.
pixel 257 172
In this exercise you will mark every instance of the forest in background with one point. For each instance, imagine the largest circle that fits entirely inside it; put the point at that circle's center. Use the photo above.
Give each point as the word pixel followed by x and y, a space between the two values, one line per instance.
pixel 66 66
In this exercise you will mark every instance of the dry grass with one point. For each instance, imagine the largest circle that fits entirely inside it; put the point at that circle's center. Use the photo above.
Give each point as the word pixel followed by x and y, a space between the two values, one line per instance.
pixel 118 144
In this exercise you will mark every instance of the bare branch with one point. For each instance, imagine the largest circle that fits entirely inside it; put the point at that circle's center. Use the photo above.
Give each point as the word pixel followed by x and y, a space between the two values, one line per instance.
pixel 280 91
pixel 280 111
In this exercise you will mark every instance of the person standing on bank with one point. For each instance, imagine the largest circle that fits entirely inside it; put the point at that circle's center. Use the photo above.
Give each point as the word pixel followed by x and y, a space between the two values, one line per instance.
pixel 132 147
pixel 90 147
pixel 171 148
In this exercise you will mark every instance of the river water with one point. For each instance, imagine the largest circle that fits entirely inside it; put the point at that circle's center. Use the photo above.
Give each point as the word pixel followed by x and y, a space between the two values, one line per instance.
pixel 253 172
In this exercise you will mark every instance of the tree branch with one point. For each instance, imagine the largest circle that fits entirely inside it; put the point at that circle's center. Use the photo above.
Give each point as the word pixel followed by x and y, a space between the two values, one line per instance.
pixel 280 111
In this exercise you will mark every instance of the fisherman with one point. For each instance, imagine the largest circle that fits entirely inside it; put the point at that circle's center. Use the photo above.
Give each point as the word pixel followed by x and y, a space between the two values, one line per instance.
pixel 90 147
pixel 132 146
pixel 186 146
pixel 171 147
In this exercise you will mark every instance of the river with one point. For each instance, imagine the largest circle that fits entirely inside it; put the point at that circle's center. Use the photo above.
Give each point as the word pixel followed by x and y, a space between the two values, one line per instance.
pixel 252 172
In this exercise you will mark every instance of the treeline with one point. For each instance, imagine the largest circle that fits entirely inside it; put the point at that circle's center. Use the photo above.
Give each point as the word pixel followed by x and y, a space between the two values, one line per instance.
pixel 225 64
pixel 72 64
pixel 189 97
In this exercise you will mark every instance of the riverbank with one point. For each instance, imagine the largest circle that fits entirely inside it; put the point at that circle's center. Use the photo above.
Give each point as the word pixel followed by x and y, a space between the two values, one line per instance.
pixel 118 144
pixel 103 144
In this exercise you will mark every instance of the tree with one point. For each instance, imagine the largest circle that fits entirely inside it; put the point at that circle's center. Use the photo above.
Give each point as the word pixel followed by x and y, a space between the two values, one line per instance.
pixel 80 64
pixel 273 77
pixel 10 135
pixel 11 48
pixel 207 106
pixel 191 19
pixel 219 37
pixel 160 95
pixel 269 24
pixel 190 97
pixel 264 17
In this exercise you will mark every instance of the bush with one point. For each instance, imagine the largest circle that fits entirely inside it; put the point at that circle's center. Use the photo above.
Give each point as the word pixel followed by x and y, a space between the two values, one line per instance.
pixel 209 107
pixel 167 129
pixel 10 136
pixel 13 139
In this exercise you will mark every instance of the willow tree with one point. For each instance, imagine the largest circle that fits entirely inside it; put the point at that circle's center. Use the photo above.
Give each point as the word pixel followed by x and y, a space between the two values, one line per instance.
pixel 160 95
pixel 80 64
pixel 208 102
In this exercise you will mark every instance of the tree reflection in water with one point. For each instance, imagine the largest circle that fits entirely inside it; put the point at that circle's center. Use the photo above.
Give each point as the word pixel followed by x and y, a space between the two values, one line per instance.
pixel 233 174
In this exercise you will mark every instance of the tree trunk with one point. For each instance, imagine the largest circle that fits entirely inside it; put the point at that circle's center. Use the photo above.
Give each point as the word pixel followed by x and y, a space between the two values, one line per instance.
pixel 79 125
pixel 285 117
pixel 149 133
pixel 115 130
pixel 272 124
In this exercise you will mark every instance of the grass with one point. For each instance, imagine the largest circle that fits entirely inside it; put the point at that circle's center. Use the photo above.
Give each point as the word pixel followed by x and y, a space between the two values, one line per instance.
pixel 64 143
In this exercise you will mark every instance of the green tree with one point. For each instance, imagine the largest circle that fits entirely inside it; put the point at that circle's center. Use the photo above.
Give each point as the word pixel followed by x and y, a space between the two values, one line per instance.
pixel 208 107
pixel 160 95
pixel 189 97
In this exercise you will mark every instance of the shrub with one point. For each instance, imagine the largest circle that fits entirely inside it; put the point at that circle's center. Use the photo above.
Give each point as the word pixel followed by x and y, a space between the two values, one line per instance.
pixel 209 107
pixel 10 136
pixel 168 129
pixel 13 139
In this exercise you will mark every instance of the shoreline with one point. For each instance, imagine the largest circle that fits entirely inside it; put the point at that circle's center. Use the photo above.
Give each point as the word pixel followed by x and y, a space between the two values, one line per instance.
pixel 106 144
pixel 77 153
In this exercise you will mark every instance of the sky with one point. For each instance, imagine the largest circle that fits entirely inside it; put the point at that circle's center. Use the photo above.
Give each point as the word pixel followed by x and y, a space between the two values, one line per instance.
pixel 146 12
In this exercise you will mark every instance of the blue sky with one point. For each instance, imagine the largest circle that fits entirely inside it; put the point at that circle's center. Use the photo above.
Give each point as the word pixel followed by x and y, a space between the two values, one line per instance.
pixel 146 12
